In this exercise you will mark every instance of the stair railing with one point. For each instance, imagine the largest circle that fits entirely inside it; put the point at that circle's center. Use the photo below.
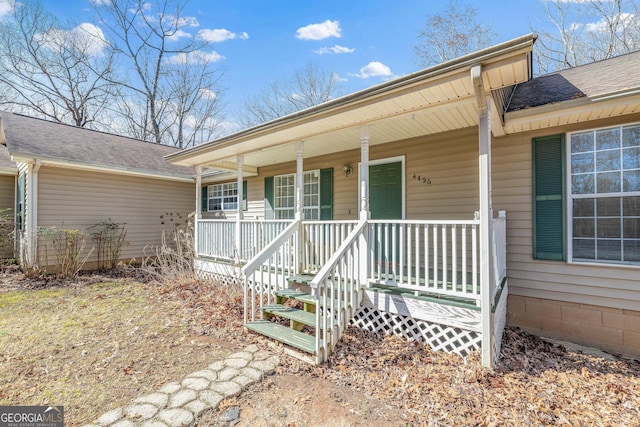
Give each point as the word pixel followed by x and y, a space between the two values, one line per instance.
pixel 268 271
pixel 337 291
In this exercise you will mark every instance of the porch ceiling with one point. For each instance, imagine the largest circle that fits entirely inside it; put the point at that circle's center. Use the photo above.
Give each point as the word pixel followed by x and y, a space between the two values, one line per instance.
pixel 430 101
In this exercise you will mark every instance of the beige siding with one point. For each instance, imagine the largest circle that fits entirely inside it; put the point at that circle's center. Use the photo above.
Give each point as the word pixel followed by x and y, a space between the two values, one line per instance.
pixel 449 160
pixel 595 284
pixel 82 199
pixel 7 207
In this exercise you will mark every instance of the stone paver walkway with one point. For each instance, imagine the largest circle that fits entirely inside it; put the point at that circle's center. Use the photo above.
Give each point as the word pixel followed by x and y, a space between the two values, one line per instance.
pixel 180 404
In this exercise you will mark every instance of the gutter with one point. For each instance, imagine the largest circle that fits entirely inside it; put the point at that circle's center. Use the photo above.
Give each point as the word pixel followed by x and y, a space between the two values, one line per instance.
pixel 368 94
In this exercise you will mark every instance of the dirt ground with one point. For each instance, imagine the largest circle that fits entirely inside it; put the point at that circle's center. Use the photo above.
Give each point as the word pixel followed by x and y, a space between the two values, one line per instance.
pixel 99 342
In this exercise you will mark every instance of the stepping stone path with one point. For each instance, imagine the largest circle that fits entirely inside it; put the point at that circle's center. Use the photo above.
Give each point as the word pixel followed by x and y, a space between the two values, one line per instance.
pixel 180 404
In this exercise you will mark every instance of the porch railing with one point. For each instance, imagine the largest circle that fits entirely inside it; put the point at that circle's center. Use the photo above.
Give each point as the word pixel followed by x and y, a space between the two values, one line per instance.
pixel 321 240
pixel 217 237
pixel 269 271
pixel 439 257
pixel 336 287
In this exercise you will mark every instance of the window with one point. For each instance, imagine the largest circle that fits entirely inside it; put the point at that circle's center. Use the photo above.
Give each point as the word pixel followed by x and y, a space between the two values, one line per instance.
pixel 222 197
pixel 285 195
pixel 604 194
pixel 280 195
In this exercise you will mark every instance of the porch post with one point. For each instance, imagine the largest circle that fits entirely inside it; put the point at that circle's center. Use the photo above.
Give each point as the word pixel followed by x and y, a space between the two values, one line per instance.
pixel 299 180
pixel 363 243
pixel 299 215
pixel 486 216
pixel 198 215
pixel 238 242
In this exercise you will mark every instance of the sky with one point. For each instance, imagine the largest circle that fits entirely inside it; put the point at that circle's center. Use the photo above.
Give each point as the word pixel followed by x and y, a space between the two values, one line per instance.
pixel 257 42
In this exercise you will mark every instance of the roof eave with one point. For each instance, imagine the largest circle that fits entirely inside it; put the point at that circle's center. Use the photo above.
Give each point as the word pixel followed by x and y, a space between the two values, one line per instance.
pixel 522 43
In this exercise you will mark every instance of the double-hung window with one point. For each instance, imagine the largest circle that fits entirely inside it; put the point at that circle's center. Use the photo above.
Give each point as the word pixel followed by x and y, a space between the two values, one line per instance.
pixel 222 197
pixel 317 197
pixel 285 199
pixel 604 195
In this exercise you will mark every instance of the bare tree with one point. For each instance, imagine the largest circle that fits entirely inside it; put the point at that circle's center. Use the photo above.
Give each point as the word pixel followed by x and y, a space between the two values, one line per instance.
pixel 166 77
pixel 59 73
pixel 587 31
pixel 307 87
pixel 450 34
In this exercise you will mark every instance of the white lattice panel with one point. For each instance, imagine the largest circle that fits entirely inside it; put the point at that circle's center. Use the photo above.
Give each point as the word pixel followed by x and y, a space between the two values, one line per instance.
pixel 438 337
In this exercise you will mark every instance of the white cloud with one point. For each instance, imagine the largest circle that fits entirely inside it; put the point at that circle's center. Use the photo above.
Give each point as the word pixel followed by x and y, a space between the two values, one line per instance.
pixel 320 31
pixel 6 6
pixel 373 69
pixel 102 2
pixel 179 34
pixel 220 34
pixel 208 93
pixel 86 37
pixel 197 56
pixel 626 20
pixel 336 78
pixel 335 49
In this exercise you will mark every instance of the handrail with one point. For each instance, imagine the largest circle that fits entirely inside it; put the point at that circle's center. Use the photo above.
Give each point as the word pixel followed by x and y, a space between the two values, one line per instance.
pixel 253 264
pixel 336 304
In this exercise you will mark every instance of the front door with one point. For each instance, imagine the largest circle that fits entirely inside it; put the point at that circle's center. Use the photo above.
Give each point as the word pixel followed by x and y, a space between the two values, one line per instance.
pixel 385 191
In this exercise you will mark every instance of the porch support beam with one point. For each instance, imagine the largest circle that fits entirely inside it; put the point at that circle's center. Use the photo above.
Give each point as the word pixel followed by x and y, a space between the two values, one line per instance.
pixel 363 241
pixel 198 215
pixel 299 180
pixel 486 214
pixel 227 166
pixel 238 242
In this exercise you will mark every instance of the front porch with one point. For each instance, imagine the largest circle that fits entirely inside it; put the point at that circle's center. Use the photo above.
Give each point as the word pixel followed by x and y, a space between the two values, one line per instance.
pixel 420 279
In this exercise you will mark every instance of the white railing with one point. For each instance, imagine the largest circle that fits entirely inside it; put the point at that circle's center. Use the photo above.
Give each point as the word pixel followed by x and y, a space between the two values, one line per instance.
pixel 321 239
pixel 499 251
pixel 269 271
pixel 217 237
pixel 439 257
pixel 337 289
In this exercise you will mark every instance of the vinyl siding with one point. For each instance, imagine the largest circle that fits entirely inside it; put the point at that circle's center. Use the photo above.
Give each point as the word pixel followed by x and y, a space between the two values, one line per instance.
pixel 595 284
pixel 7 207
pixel 80 199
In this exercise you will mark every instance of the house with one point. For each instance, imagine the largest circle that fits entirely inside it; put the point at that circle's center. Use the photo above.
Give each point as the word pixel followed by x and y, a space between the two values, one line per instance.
pixel 438 206
pixel 77 178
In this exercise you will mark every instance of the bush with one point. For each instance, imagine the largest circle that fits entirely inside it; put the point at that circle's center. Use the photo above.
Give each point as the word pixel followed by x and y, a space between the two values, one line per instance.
pixel 64 244
pixel 110 239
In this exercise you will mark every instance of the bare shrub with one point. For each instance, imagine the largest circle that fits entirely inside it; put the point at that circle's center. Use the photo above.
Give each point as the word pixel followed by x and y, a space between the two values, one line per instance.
pixel 7 235
pixel 110 239
pixel 65 245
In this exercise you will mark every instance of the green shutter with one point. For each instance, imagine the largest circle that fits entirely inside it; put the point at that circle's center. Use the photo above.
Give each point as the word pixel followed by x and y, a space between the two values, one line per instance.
pixel 326 194
pixel 268 198
pixel 244 195
pixel 549 232
pixel 205 198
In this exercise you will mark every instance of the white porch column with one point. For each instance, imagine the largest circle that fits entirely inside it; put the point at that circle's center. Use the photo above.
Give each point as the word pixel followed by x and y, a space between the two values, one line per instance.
pixel 364 172
pixel 363 242
pixel 299 181
pixel 238 242
pixel 198 215
pixel 486 221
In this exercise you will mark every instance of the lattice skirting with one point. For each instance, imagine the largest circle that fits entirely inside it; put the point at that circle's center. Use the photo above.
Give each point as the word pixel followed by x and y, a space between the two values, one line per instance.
pixel 438 337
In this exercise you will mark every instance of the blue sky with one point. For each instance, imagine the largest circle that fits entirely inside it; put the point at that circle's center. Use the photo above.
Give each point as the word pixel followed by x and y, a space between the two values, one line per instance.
pixel 364 42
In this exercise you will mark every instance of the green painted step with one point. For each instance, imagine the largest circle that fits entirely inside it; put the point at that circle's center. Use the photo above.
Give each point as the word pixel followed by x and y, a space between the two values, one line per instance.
pixel 291 313
pixel 301 296
pixel 284 334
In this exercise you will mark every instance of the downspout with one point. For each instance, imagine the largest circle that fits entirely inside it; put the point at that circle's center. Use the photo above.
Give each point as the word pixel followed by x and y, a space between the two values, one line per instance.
pixel 486 214
pixel 32 212
pixel 198 215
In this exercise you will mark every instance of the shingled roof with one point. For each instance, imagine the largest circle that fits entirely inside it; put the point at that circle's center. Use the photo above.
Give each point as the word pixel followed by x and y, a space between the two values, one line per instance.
pixel 598 78
pixel 28 137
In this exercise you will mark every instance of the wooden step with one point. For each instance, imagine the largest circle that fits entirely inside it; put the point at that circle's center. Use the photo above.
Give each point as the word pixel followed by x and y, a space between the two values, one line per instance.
pixel 291 313
pixel 303 297
pixel 284 334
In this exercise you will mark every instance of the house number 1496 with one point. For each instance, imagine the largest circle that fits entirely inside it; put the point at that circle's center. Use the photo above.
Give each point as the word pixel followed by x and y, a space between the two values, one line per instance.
pixel 422 179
